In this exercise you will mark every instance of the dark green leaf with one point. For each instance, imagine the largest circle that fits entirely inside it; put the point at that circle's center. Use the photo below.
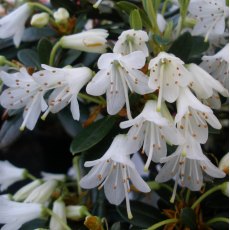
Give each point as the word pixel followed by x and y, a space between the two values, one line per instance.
pixel 188 48
pixel 34 34
pixel 188 218
pixel 126 6
pixel 69 57
pixel 135 20
pixel 116 226
pixel 93 134
pixel 144 215
pixel 44 50
pixel 29 58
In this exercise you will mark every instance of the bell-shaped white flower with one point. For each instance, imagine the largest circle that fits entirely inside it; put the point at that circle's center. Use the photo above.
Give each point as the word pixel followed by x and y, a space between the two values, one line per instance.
pixel 9 174
pixel 42 193
pixel 187 164
pixel 23 92
pixel 218 66
pixel 203 84
pixel 14 214
pixel 210 16
pixel 152 130
pixel 24 192
pixel 167 74
pixel 130 41
pixel 67 83
pixel 192 116
pixel 61 15
pixel 13 24
pixel 60 211
pixel 40 20
pixel 117 74
pixel 92 41
pixel 114 171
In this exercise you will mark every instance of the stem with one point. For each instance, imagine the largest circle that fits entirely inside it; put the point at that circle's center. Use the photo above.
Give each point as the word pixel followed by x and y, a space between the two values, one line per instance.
pixel 187 196
pixel 77 167
pixel 53 53
pixel 27 175
pixel 164 7
pixel 164 222
pixel 90 98
pixel 218 219
pixel 42 7
pixel 9 63
pixel 51 213
pixel 206 194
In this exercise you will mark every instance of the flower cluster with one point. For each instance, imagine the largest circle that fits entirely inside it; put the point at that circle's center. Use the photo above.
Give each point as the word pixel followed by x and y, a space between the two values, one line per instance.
pixel 175 104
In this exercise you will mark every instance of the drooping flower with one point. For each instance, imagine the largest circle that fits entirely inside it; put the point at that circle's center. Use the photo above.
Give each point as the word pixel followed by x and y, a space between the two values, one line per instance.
pixel 92 41
pixel 152 130
pixel 187 164
pixel 67 83
pixel 24 192
pixel 14 214
pixel 114 171
pixel 9 174
pixel 218 66
pixel 13 24
pixel 203 84
pixel 167 74
pixel 60 211
pixel 130 41
pixel 117 74
pixel 23 92
pixel 42 193
pixel 210 16
pixel 192 116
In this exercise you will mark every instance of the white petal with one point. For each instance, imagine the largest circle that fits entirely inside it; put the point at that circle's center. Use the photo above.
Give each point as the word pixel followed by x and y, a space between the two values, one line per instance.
pixel 134 60
pixel 105 60
pixel 74 107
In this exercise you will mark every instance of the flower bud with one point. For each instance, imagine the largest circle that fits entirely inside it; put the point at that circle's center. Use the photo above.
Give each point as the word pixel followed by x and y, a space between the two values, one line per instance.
pixel 225 188
pixel 24 192
pixel 2 60
pixel 76 212
pixel 224 163
pixel 40 20
pixel 61 15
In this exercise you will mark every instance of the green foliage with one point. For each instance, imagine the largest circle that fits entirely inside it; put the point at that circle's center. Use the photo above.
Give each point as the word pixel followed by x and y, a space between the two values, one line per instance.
pixel 135 20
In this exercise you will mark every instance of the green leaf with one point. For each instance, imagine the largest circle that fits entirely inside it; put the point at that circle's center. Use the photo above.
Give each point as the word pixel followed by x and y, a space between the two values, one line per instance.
pixel 126 6
pixel 29 58
pixel 44 49
pixel 93 134
pixel 69 57
pixel 189 48
pixel 135 20
pixel 116 226
pixel 144 215
pixel 34 224
pixel 188 218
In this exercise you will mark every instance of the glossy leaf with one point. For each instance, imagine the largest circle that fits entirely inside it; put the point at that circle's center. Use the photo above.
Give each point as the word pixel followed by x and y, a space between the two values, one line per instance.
pixel 188 218
pixel 44 50
pixel 29 58
pixel 93 134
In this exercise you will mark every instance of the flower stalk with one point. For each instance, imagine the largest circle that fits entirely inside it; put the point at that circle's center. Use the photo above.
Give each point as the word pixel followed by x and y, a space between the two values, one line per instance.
pixel 162 223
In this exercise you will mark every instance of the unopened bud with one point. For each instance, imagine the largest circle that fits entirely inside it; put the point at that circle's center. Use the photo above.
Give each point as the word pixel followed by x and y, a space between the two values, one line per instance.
pixel 40 20
pixel 76 212
pixel 61 15
pixel 224 163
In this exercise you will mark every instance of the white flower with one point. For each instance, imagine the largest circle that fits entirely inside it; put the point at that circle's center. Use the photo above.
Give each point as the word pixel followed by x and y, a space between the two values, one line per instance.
pixel 42 193
pixel 187 164
pixel 23 91
pixel 13 24
pixel 9 174
pixel 130 41
pixel 40 20
pixel 204 84
pixel 114 171
pixel 210 15
pixel 192 116
pixel 61 15
pixel 161 22
pixel 76 212
pixel 60 211
pixel 14 214
pixel 152 130
pixel 218 66
pixel 24 192
pixel 67 83
pixel 167 74
pixel 117 74
pixel 93 41
pixel 52 176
